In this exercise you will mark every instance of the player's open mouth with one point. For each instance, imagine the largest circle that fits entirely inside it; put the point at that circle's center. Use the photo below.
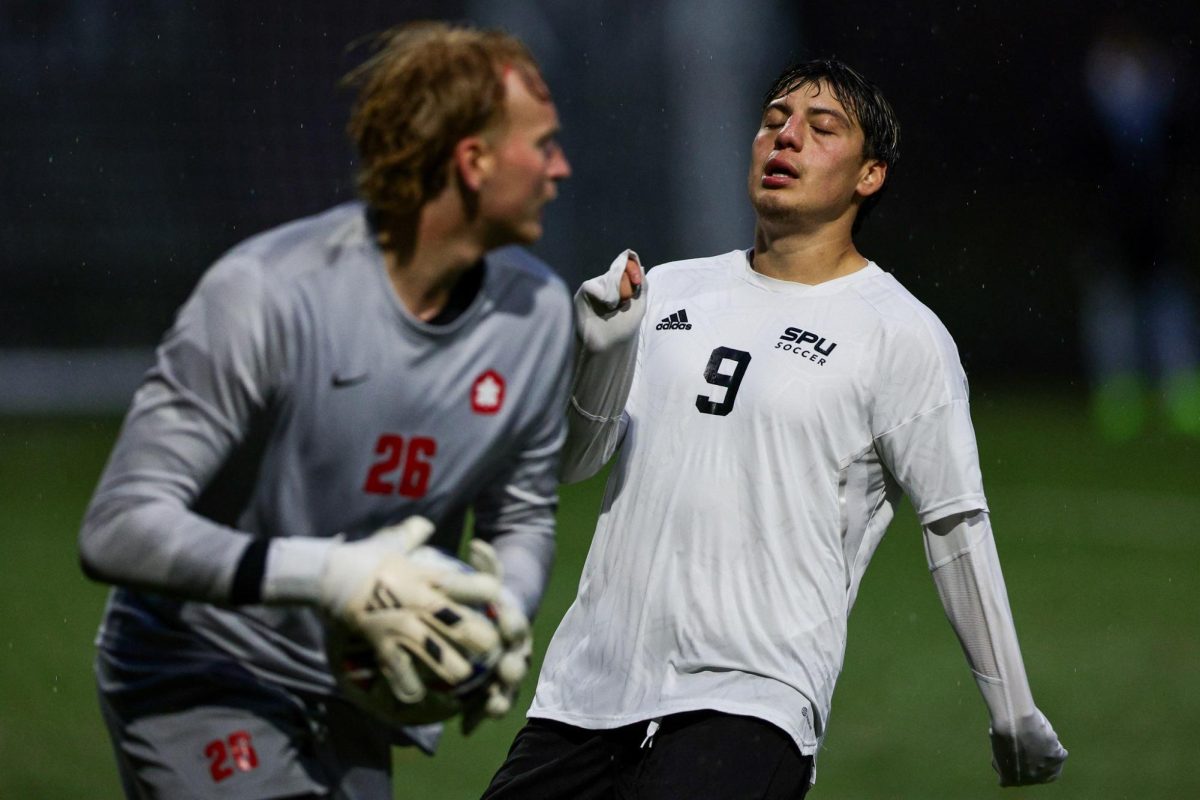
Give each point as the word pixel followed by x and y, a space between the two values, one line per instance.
pixel 777 173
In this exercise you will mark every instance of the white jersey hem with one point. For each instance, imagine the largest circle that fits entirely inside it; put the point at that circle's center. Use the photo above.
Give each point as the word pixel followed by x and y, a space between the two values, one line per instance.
pixel 806 744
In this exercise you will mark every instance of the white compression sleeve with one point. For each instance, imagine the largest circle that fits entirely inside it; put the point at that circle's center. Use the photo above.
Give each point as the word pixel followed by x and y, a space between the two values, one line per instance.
pixel 605 360
pixel 962 557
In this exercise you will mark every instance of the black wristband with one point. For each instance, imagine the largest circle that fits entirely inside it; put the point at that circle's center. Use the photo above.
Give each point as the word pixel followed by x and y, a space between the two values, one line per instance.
pixel 248 579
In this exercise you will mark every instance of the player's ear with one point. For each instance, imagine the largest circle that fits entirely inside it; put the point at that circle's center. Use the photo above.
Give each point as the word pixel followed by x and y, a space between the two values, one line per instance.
pixel 474 161
pixel 872 177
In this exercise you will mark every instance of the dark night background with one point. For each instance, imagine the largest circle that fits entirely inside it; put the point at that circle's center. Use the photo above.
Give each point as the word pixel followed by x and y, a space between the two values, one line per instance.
pixel 143 139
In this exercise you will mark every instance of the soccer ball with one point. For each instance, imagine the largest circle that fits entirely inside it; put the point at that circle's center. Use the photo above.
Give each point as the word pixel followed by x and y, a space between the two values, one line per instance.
pixel 356 670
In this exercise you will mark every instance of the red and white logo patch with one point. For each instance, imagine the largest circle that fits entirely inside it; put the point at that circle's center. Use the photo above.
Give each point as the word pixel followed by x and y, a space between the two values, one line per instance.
pixel 487 393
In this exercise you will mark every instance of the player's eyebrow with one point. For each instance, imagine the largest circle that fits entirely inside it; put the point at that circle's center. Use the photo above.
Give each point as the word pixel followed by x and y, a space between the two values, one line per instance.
pixel 779 104
pixel 816 111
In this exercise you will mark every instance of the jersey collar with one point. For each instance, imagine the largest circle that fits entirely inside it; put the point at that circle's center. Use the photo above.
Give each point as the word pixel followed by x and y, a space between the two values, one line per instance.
pixel 739 261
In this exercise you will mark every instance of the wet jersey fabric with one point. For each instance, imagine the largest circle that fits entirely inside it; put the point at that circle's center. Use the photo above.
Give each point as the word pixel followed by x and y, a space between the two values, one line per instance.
pixel 295 396
pixel 770 431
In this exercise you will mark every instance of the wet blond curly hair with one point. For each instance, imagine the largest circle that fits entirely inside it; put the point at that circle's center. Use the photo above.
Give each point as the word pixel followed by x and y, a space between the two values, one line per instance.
pixel 427 86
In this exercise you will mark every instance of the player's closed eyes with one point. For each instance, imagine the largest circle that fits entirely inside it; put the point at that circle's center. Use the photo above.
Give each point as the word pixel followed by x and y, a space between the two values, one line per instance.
pixel 774 118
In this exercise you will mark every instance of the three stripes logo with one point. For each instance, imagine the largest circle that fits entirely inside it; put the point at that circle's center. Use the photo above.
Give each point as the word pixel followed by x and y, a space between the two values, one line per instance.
pixel 676 322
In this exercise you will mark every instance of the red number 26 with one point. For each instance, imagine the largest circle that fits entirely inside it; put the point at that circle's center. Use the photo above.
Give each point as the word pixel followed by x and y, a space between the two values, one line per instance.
pixel 389 476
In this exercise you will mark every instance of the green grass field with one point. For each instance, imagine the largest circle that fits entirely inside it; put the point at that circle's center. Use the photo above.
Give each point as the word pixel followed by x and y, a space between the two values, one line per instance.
pixel 1101 549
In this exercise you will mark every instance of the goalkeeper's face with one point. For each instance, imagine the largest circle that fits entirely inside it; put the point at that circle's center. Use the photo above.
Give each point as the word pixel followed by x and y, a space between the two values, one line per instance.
pixel 521 167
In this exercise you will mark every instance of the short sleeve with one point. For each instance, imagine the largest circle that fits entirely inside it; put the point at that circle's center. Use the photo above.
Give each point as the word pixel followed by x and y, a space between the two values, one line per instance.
pixel 921 420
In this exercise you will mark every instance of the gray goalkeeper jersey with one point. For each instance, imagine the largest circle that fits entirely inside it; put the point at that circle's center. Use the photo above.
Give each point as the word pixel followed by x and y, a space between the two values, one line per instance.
pixel 295 396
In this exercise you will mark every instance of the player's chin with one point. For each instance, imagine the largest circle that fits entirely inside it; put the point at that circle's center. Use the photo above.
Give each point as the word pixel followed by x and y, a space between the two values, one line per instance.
pixel 523 233
pixel 528 232
pixel 772 204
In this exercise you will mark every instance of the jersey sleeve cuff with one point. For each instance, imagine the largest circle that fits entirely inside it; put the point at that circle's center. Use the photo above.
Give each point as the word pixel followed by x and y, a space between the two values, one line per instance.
pixel 248 579
pixel 956 505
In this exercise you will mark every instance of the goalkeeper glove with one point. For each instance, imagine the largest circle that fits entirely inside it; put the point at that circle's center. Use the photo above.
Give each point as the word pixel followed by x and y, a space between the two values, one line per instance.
pixel 516 639
pixel 411 613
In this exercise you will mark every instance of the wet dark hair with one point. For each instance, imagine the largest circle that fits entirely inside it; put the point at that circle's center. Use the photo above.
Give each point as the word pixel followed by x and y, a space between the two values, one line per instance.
pixel 862 99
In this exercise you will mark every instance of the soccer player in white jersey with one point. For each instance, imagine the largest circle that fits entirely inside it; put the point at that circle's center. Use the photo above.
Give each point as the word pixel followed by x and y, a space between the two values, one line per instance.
pixel 768 407
pixel 335 393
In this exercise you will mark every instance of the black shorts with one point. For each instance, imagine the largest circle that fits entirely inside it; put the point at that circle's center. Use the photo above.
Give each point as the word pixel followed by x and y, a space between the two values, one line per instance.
pixel 699 754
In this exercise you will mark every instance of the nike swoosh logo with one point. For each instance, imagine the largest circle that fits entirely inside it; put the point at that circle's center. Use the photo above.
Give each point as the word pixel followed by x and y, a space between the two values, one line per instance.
pixel 341 381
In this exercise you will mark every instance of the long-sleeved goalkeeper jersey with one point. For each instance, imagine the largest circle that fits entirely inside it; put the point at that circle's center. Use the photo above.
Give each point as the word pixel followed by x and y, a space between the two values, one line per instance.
pixel 295 396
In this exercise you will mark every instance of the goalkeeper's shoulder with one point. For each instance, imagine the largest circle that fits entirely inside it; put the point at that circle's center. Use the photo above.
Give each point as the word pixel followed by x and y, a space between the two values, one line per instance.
pixel 534 301
pixel 533 277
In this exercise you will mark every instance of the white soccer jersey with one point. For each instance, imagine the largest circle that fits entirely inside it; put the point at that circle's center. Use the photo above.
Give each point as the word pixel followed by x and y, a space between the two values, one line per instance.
pixel 769 432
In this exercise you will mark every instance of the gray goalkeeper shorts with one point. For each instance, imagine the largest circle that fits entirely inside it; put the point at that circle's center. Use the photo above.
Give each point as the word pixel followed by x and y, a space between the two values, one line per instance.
pixel 224 734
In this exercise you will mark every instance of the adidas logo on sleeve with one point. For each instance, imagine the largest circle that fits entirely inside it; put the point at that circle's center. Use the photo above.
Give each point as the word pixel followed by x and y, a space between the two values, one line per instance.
pixel 676 322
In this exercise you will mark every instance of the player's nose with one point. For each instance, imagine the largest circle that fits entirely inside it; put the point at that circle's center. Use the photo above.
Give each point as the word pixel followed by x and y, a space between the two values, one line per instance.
pixel 560 168
pixel 789 136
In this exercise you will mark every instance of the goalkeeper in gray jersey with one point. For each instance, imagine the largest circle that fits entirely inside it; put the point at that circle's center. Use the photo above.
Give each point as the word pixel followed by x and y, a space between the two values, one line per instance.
pixel 332 399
